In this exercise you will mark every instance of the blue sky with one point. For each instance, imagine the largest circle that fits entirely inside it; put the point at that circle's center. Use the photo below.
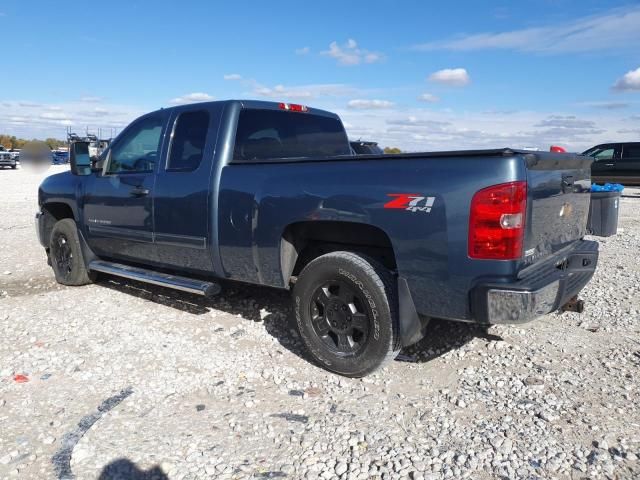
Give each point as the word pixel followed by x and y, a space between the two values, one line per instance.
pixel 419 75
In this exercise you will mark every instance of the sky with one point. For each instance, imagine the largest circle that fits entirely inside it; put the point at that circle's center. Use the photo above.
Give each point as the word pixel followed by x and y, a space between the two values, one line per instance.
pixel 410 74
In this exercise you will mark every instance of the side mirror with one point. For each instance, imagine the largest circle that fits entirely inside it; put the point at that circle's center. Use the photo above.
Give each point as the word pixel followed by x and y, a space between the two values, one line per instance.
pixel 79 158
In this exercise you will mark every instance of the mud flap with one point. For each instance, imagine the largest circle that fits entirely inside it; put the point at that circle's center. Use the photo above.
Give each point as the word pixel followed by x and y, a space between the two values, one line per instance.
pixel 410 324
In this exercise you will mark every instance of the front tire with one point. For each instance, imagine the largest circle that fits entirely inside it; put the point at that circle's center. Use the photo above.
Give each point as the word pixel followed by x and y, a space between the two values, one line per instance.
pixel 66 256
pixel 346 308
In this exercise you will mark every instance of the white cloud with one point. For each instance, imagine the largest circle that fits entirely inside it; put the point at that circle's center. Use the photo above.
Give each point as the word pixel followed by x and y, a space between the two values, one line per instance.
pixel 51 120
pixel 54 116
pixel 350 54
pixel 29 104
pixel 303 51
pixel 280 91
pixel 91 99
pixel 455 77
pixel 369 104
pixel 630 81
pixel 283 92
pixel 233 76
pixel 604 105
pixel 429 98
pixel 191 98
pixel 96 112
pixel 424 129
pixel 615 30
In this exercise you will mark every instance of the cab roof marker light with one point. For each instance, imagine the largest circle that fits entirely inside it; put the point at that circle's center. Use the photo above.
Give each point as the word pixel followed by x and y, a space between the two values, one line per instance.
pixel 293 107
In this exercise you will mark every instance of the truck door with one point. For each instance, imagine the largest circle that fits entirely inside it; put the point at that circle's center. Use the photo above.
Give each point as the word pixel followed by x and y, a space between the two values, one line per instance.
pixel 183 187
pixel 603 168
pixel 117 203
pixel 628 167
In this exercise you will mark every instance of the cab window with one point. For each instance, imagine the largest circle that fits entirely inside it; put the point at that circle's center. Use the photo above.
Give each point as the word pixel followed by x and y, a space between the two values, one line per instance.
pixel 187 144
pixel 138 149
pixel 631 152
pixel 602 154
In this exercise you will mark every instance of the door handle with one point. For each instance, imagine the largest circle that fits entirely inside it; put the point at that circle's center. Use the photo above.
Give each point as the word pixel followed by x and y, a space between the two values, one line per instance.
pixel 609 164
pixel 139 192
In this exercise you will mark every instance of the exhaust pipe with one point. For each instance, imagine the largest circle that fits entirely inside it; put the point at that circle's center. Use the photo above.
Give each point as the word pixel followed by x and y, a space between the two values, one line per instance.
pixel 573 305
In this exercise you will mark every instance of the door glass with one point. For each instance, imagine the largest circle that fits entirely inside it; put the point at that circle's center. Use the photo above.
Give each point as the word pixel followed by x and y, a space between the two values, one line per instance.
pixel 605 154
pixel 187 145
pixel 137 151
pixel 631 153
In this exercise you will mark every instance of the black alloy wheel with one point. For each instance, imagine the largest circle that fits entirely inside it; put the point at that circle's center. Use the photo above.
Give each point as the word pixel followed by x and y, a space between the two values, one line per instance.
pixel 339 317
pixel 61 254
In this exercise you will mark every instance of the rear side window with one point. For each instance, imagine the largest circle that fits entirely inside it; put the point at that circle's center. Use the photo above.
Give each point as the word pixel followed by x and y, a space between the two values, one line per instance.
pixel 188 141
pixel 631 152
pixel 264 134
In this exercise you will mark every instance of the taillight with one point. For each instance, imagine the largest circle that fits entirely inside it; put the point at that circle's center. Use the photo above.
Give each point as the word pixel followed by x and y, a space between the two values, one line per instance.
pixel 496 222
pixel 293 107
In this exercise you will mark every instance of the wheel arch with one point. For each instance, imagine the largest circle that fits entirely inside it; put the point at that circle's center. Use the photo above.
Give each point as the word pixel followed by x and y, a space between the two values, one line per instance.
pixel 302 242
pixel 53 212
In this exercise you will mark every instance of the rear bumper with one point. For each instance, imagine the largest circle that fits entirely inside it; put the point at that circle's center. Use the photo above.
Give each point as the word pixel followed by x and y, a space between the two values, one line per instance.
pixel 7 163
pixel 541 290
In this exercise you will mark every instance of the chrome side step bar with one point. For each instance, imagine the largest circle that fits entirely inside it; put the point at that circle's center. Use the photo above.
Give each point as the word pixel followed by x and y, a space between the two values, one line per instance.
pixel 199 287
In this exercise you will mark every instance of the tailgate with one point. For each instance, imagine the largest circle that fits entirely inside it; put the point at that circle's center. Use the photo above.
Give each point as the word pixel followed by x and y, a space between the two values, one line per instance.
pixel 559 192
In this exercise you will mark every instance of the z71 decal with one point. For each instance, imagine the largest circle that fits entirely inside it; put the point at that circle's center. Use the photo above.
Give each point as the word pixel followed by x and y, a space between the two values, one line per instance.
pixel 412 202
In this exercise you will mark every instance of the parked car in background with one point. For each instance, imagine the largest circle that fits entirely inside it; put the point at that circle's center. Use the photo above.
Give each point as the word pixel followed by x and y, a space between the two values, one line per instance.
pixel 615 163
pixel 6 160
pixel 366 148
pixel 60 157
pixel 15 154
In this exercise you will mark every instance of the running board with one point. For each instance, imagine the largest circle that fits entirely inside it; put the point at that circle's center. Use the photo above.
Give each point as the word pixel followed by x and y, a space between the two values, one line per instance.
pixel 199 287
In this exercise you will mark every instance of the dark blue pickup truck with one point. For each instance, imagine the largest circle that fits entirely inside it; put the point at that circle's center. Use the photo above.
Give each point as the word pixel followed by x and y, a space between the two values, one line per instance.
pixel 372 246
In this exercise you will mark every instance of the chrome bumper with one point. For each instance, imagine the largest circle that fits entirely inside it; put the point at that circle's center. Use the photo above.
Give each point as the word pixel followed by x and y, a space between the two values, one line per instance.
pixel 542 290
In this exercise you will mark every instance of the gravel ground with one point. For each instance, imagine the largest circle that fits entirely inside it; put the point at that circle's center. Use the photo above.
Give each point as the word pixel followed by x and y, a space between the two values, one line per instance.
pixel 128 381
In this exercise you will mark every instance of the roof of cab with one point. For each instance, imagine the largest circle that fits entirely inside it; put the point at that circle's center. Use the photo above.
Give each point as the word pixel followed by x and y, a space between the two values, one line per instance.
pixel 255 105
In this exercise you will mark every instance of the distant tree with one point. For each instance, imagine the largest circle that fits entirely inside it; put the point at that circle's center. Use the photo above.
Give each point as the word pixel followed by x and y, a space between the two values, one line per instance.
pixel 54 143
pixel 392 150
pixel 5 141
pixel 11 141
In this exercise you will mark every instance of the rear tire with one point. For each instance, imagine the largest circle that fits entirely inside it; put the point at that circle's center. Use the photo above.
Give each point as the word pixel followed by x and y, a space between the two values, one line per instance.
pixel 66 256
pixel 346 308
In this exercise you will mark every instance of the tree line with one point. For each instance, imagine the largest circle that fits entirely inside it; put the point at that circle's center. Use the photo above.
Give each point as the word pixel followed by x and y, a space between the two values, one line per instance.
pixel 11 141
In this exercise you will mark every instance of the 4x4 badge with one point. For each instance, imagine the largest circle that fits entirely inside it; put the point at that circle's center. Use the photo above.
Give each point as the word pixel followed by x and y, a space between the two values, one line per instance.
pixel 412 202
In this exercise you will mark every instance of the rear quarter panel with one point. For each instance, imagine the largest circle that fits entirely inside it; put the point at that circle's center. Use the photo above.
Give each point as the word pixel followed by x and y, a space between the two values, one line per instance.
pixel 258 201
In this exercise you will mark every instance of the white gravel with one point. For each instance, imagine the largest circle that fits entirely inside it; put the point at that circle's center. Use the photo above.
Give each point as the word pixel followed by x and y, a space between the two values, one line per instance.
pixel 128 381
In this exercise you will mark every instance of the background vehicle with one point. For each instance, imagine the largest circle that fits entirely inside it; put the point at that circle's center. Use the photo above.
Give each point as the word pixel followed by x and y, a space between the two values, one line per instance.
pixel 616 163
pixel 7 160
pixel 270 194
pixel 15 154
pixel 60 157
pixel 366 148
